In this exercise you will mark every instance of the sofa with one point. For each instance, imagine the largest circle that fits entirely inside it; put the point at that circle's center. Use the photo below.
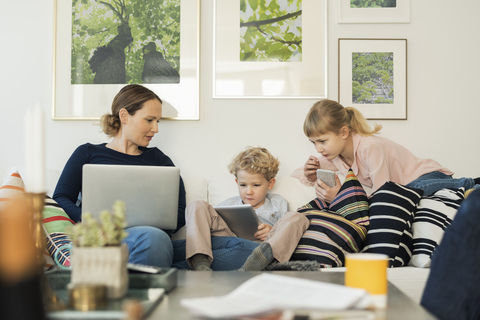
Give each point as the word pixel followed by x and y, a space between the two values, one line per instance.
pixel 408 278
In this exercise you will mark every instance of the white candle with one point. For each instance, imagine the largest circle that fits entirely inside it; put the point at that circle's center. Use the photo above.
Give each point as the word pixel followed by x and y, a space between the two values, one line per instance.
pixel 35 150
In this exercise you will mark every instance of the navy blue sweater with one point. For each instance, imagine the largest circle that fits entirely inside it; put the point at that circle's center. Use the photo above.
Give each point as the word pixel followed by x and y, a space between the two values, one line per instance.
pixel 69 186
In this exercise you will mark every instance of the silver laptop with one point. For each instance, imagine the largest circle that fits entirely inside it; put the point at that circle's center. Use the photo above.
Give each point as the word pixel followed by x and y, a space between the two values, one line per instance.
pixel 150 193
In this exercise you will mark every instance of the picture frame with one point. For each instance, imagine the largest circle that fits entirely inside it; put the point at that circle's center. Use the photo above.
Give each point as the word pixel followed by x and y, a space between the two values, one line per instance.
pixel 235 79
pixel 381 94
pixel 398 14
pixel 91 101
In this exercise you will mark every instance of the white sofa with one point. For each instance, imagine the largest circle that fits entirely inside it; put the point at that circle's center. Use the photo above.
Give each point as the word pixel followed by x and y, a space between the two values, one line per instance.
pixel 410 280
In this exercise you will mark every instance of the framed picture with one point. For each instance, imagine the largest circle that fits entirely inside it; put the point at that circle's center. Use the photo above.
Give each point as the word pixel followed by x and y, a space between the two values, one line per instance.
pixel 100 46
pixel 379 11
pixel 270 49
pixel 372 76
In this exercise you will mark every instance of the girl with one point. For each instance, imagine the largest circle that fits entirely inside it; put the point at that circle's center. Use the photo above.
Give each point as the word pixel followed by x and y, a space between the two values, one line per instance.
pixel 344 140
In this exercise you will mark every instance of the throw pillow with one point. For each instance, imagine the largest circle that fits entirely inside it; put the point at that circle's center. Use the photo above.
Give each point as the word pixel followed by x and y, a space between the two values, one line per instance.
pixel 434 214
pixel 55 221
pixel 351 201
pixel 392 208
pixel 13 186
pixel 335 229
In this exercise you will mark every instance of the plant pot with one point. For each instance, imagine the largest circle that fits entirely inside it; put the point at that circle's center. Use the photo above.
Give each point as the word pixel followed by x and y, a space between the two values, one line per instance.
pixel 101 265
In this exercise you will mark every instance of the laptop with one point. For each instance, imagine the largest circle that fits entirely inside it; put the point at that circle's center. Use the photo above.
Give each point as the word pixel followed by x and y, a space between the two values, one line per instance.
pixel 150 193
pixel 241 219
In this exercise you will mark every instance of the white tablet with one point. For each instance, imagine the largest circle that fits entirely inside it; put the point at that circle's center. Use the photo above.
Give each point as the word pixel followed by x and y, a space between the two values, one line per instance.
pixel 241 219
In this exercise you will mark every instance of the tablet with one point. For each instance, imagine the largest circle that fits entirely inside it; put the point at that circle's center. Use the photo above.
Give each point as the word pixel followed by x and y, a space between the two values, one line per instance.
pixel 241 219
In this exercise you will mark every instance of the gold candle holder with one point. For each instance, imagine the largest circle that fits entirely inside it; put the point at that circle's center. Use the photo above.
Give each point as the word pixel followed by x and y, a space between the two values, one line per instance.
pixel 37 204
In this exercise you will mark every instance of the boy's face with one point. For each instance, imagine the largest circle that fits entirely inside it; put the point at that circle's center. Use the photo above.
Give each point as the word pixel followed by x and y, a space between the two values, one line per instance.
pixel 253 187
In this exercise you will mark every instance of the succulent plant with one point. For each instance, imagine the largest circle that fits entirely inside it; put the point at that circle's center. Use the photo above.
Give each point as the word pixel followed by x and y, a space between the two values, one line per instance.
pixel 109 231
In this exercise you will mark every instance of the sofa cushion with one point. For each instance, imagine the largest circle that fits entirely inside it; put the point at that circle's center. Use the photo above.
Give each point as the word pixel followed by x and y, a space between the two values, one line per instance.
pixel 335 229
pixel 392 208
pixel 12 186
pixel 55 222
pixel 433 215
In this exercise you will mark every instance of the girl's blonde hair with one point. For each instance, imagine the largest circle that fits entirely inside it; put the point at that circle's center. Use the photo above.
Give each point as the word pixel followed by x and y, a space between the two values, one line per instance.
pixel 255 160
pixel 330 116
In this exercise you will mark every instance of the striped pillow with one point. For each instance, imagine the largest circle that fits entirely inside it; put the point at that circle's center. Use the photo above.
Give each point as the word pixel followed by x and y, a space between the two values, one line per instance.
pixel 434 214
pixel 13 186
pixel 336 229
pixel 392 208
pixel 351 201
pixel 55 221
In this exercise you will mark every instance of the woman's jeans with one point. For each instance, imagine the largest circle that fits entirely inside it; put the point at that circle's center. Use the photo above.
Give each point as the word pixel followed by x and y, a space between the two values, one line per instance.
pixel 229 253
pixel 152 246
pixel 149 246
pixel 434 181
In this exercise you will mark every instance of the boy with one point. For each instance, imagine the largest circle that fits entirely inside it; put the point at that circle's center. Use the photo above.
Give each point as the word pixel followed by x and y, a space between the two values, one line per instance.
pixel 254 170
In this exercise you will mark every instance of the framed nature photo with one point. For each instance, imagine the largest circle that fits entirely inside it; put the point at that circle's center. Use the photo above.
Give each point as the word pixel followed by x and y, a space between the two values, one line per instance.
pixel 100 46
pixel 372 76
pixel 270 49
pixel 373 11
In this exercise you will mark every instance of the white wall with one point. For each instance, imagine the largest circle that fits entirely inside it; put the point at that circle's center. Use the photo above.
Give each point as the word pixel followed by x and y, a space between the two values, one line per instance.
pixel 443 84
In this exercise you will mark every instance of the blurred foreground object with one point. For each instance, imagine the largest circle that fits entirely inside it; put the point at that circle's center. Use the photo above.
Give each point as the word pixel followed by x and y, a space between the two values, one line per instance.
pixel 20 280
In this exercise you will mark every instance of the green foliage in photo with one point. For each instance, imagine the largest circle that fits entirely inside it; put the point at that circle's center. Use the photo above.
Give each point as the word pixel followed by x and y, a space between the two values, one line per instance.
pixel 271 30
pixel 111 39
pixel 372 77
pixel 373 3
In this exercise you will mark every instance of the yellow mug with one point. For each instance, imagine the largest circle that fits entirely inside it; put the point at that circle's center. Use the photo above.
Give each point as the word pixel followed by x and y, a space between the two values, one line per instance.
pixel 368 271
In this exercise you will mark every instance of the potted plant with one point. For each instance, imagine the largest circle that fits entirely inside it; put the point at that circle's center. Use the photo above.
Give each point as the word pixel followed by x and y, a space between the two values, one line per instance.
pixel 98 254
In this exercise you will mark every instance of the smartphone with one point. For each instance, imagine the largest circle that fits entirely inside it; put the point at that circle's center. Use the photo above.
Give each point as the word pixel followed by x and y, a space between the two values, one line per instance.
pixel 327 176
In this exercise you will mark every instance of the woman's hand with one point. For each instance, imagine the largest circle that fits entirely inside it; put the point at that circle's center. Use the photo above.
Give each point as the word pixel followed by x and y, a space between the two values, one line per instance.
pixel 310 168
pixel 322 191
pixel 263 230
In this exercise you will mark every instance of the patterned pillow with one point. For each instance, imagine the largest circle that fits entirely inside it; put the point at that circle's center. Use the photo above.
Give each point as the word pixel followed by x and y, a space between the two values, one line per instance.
pixel 11 187
pixel 392 208
pixel 433 215
pixel 55 221
pixel 335 230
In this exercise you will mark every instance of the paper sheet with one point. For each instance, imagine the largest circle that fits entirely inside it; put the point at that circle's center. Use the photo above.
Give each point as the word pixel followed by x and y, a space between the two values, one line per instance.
pixel 269 292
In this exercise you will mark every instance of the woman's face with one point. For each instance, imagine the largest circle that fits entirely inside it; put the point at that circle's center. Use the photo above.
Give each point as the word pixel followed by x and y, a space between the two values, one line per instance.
pixel 143 125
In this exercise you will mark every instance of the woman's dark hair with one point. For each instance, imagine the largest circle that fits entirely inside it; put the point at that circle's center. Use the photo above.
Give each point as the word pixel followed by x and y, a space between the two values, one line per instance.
pixel 131 98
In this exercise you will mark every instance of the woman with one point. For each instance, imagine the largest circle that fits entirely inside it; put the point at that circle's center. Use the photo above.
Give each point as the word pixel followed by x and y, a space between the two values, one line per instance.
pixel 132 124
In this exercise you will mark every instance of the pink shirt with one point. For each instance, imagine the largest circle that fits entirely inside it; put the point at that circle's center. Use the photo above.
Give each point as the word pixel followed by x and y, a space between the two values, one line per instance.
pixel 378 160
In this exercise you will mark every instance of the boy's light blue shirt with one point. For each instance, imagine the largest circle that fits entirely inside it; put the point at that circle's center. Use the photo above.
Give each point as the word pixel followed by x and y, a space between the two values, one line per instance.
pixel 270 212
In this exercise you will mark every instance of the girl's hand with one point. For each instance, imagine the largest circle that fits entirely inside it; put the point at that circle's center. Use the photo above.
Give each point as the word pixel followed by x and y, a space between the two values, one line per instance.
pixel 310 168
pixel 322 191
pixel 263 230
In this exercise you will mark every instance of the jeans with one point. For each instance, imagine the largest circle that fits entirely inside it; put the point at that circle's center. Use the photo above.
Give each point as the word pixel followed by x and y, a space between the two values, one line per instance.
pixel 229 253
pixel 149 246
pixel 452 289
pixel 434 181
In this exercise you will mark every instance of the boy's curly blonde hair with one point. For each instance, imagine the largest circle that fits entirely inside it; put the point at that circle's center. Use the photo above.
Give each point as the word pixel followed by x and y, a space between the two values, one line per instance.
pixel 255 160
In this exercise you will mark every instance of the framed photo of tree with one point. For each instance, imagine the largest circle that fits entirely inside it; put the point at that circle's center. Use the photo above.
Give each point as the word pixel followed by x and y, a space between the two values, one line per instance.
pixel 372 76
pixel 100 46
pixel 374 11
pixel 270 49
